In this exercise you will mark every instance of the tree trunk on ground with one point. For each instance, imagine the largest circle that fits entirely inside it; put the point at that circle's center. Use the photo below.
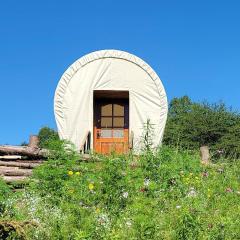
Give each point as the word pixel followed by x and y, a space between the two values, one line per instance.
pixel 10 179
pixel 15 172
pixel 23 151
pixel 205 155
pixel 18 164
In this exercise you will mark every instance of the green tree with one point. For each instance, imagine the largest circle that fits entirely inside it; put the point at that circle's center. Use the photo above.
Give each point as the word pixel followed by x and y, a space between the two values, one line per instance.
pixel 191 125
pixel 230 142
pixel 45 135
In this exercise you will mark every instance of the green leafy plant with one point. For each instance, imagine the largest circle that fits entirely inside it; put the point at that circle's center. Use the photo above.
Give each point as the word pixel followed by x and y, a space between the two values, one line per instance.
pixel 147 136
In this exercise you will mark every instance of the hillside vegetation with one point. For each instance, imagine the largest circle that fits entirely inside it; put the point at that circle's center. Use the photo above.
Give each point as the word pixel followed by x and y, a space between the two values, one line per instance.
pixel 191 125
pixel 167 194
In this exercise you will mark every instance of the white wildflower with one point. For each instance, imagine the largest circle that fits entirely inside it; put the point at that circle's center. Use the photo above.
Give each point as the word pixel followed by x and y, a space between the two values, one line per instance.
pixel 125 194
pixel 129 223
pixel 192 192
pixel 103 220
pixel 146 182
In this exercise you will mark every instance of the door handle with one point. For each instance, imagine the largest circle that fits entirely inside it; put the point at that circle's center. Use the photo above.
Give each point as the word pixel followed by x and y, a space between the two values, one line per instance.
pixel 98 135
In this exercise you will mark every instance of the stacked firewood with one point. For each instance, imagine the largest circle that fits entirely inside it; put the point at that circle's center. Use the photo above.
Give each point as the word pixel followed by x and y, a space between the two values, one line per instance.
pixel 17 162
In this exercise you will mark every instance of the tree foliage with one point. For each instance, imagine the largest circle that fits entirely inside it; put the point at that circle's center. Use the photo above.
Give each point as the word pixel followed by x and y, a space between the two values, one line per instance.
pixel 191 125
pixel 45 135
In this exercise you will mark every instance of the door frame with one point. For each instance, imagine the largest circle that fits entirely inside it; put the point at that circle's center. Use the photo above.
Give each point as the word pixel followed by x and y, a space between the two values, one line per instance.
pixel 107 95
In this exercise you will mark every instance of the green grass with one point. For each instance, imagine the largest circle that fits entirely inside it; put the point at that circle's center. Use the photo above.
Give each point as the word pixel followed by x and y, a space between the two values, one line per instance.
pixel 167 195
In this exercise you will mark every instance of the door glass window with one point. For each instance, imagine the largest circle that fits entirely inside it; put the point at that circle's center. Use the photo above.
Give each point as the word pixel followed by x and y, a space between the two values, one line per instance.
pixel 118 122
pixel 118 133
pixel 118 110
pixel 106 122
pixel 106 133
pixel 106 110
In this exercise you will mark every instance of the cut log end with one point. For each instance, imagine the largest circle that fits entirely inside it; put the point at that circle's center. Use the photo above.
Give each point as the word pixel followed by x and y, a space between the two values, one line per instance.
pixel 33 142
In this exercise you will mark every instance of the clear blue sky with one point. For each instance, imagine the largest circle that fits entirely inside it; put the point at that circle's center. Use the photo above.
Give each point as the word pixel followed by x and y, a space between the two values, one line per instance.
pixel 194 46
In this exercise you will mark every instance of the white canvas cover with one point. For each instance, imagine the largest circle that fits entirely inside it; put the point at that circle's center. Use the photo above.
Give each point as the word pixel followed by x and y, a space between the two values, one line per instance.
pixel 109 70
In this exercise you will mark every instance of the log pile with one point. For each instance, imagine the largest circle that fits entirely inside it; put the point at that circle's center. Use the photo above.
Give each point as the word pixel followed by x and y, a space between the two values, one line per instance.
pixel 17 162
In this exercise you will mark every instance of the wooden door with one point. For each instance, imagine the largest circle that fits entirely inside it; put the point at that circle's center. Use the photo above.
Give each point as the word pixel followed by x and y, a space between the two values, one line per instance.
pixel 111 126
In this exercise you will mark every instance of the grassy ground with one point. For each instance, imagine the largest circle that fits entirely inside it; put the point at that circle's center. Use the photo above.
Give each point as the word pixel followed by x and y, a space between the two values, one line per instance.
pixel 167 195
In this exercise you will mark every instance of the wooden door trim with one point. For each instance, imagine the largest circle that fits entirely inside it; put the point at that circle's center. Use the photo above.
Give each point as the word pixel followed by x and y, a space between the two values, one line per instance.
pixel 98 102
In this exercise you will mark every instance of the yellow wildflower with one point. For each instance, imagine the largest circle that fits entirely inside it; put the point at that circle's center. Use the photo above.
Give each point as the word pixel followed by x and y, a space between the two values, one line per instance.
pixel 90 186
pixel 77 173
pixel 97 210
pixel 70 173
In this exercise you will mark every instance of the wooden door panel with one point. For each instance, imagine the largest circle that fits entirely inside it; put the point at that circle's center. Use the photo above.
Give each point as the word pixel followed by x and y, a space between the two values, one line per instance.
pixel 108 147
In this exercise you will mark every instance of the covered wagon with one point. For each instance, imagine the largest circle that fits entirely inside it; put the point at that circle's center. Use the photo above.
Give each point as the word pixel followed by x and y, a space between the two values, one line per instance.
pixel 104 99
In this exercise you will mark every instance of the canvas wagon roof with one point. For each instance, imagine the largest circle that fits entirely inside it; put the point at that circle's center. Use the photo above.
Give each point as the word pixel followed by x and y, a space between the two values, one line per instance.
pixel 109 70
